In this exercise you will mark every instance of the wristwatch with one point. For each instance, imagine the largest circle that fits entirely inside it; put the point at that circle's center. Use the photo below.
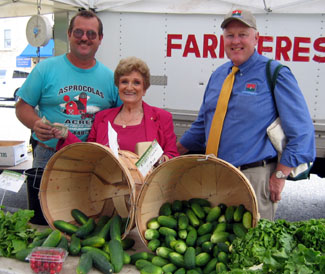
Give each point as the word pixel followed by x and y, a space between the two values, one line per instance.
pixel 280 175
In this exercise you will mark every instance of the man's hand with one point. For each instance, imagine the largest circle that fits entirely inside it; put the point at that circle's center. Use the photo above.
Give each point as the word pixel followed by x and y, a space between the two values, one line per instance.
pixel 276 185
pixel 42 130
pixel 181 149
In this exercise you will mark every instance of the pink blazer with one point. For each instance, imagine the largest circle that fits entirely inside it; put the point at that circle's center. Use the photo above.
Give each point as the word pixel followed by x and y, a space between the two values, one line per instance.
pixel 158 125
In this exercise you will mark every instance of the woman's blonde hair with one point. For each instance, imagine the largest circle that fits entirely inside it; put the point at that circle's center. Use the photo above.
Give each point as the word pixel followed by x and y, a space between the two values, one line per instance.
pixel 130 64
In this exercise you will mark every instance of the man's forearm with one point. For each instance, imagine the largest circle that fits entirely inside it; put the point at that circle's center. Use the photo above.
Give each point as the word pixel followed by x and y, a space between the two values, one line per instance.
pixel 26 114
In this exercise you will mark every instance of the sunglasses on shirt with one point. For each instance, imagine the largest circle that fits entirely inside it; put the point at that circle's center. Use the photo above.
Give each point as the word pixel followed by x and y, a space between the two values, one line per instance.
pixel 78 33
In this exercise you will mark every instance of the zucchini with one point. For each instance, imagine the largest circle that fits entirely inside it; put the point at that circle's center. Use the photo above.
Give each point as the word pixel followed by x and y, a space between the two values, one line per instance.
pixel 65 227
pixel 94 241
pixel 101 262
pixel 85 263
pixel 116 253
pixel 75 245
pixel 53 239
pixel 80 217
pixel 86 228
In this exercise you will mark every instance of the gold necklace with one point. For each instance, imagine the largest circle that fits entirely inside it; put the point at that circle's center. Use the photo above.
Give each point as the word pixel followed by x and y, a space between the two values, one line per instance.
pixel 134 118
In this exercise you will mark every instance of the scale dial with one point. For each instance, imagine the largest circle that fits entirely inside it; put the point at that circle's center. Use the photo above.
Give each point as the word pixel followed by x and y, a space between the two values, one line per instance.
pixel 38 31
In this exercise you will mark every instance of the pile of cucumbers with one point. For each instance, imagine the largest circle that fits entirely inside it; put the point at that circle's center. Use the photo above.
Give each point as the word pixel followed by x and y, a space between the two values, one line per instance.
pixel 99 244
pixel 191 236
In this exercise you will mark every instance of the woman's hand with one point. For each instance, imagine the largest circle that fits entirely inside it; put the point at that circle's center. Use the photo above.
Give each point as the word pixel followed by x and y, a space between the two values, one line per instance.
pixel 162 159
pixel 59 131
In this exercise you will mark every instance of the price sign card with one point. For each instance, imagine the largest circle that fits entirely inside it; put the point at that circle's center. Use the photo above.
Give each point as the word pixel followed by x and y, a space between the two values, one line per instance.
pixel 10 180
pixel 149 158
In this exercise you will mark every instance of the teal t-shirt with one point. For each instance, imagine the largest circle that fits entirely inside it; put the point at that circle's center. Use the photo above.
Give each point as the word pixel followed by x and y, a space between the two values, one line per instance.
pixel 66 94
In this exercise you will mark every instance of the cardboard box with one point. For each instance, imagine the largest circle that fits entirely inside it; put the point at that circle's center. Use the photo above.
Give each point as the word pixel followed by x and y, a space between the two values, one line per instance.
pixel 12 152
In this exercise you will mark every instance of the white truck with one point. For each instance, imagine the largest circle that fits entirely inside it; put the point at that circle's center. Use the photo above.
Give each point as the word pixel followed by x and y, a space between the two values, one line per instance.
pixel 182 50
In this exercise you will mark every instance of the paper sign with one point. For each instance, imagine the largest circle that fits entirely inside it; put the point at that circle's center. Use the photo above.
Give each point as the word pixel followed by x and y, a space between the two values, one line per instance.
pixel 10 180
pixel 149 158
pixel 112 140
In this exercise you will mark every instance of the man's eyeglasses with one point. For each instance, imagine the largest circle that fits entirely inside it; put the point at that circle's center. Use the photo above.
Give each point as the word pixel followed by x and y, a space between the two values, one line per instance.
pixel 78 33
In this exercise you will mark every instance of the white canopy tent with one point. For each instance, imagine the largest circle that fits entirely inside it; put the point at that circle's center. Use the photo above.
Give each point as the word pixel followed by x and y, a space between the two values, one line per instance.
pixel 13 8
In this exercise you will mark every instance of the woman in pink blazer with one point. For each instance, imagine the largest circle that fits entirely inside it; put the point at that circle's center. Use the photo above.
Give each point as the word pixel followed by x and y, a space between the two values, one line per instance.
pixel 134 121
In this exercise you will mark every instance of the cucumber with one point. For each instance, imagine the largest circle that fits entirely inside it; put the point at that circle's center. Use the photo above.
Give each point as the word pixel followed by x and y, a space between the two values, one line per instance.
pixel 191 237
pixel 75 245
pixel 100 224
pixel 223 247
pixel 86 228
pixel 163 251
pixel 101 262
pixel 36 242
pixel 169 268
pixel 200 201
pixel 104 232
pixel 139 255
pixel 85 249
pixel 192 271
pixel 153 223
pixel 176 259
pixel 180 246
pixel 169 239
pixel 207 246
pixel 222 219
pixel 151 234
pixel 53 239
pixel 159 261
pixel 151 269
pixel 182 234
pixel 223 208
pixel 115 228
pixel 206 209
pixel 219 236
pixel 239 212
pixel 63 243
pixel 85 263
pixel 220 227
pixel 105 248
pixel 153 244
pixel 239 230
pixel 23 253
pixel 177 206
pixel 189 258
pixel 202 259
pixel 65 227
pixel 192 218
pixel 182 221
pixel 204 229
pixel 127 243
pixel 126 258
pixel 222 257
pixel 180 271
pixel 198 210
pixel 165 209
pixel 167 231
pixel 80 217
pixel 94 241
pixel 247 219
pixel 167 221
pixel 141 263
pixel 44 233
pixel 213 214
pixel 211 265
pixel 200 240
pixel 116 254
pixel 229 214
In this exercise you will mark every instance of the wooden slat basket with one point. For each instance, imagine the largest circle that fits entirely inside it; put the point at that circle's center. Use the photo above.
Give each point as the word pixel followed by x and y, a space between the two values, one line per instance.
pixel 88 176
pixel 193 176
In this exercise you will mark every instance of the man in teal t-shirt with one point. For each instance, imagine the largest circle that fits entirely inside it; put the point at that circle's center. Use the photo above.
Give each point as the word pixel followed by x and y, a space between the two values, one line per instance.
pixel 67 89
